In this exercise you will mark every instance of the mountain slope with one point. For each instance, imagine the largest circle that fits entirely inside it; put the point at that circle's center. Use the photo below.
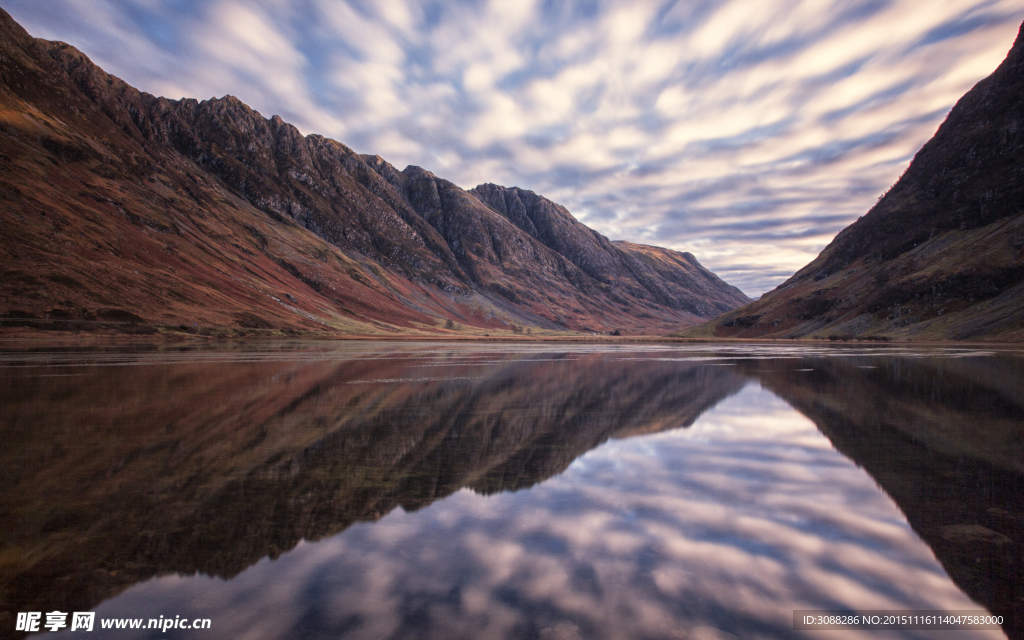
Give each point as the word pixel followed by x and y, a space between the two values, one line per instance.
pixel 941 256
pixel 662 276
pixel 122 206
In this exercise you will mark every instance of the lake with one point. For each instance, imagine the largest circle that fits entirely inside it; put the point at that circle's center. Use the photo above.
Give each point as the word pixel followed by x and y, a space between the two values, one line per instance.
pixel 551 491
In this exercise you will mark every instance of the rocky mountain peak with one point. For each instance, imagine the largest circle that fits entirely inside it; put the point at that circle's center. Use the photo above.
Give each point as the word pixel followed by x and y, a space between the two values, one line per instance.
pixel 264 215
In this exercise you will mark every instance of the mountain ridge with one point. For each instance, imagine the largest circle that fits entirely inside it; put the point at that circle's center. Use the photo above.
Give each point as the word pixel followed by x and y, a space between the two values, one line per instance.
pixel 233 193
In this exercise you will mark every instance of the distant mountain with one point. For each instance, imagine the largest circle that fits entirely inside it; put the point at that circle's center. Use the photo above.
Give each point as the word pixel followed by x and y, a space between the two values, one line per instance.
pixel 941 256
pixel 122 207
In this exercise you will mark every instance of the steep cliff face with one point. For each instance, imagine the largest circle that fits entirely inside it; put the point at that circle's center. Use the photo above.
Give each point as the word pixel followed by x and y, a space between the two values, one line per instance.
pixel 657 275
pixel 941 256
pixel 675 274
pixel 180 212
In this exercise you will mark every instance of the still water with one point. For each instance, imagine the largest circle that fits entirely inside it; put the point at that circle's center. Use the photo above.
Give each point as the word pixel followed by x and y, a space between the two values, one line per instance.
pixel 373 490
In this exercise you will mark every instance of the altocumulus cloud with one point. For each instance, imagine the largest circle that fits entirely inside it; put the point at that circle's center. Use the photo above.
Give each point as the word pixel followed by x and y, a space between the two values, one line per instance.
pixel 746 131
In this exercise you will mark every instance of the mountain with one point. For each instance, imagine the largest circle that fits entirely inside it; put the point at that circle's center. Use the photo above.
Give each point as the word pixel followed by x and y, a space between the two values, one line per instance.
pixel 127 210
pixel 941 256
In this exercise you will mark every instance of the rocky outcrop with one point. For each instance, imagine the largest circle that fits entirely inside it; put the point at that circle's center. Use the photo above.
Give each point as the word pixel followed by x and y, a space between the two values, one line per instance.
pixel 99 178
pixel 941 256
pixel 661 276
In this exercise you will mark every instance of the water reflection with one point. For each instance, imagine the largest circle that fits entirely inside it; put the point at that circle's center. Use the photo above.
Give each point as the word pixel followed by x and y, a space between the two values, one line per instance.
pixel 945 438
pixel 180 474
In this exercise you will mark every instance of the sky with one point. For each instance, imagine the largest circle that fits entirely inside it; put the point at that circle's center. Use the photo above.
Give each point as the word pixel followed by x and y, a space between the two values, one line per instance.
pixel 747 132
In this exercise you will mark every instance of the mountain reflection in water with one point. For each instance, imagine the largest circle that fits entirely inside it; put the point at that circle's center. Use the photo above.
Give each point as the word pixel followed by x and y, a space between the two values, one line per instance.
pixel 121 469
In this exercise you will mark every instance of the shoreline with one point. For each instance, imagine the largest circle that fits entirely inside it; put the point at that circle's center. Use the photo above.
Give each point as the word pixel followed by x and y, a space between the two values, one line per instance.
pixel 63 338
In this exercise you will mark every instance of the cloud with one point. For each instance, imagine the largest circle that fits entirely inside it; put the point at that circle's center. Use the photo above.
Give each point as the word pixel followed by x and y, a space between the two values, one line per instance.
pixel 651 121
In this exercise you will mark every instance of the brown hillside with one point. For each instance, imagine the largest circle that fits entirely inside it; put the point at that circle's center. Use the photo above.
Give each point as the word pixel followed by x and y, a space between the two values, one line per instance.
pixel 124 209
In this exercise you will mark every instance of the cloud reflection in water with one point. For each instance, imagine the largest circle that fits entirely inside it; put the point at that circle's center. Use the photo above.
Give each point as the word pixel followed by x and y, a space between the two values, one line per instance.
pixel 723 528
